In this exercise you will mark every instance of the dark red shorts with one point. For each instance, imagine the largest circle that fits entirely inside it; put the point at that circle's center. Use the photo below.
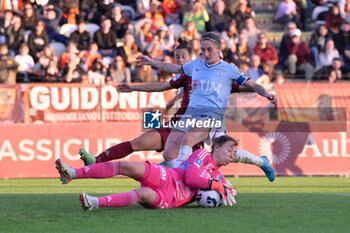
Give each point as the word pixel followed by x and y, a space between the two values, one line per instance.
pixel 164 134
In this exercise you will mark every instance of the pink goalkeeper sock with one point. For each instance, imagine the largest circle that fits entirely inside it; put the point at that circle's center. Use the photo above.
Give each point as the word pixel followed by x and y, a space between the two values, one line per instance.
pixel 120 199
pixel 99 170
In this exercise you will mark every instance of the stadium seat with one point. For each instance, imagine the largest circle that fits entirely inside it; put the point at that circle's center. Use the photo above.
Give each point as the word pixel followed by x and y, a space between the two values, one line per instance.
pixel 67 29
pixel 128 11
pixel 178 29
pixel 92 28
pixel 58 48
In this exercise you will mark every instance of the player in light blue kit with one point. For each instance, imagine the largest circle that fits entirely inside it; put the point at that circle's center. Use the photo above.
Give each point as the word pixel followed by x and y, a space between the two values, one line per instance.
pixel 212 79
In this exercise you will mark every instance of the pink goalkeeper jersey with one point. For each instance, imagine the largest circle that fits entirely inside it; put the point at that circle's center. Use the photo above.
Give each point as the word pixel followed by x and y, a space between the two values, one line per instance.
pixel 193 174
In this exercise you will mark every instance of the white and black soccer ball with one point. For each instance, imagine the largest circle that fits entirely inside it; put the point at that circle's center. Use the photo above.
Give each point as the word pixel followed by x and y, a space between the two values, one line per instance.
pixel 208 198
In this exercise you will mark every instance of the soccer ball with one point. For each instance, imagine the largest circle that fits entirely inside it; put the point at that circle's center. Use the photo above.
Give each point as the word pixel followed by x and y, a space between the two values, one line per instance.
pixel 208 198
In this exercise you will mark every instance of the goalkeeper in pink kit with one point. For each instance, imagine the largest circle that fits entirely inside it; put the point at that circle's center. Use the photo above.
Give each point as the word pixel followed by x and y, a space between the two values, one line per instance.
pixel 161 187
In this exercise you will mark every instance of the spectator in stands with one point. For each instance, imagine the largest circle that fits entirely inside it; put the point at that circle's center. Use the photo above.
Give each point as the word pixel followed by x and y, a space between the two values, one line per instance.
pixel 242 13
pixel 155 51
pixel 8 66
pixel 118 72
pixel 88 11
pixel 254 71
pixel 106 39
pixel 251 31
pixel 4 25
pixel 120 24
pixel 51 74
pixel 70 9
pixel 342 43
pixel 226 51
pixel 75 73
pixel 299 58
pixel 173 18
pixel 71 55
pixel 45 56
pixel 219 19
pixel 104 8
pixel 97 73
pixel 155 13
pixel 335 72
pixel 130 50
pixel 15 35
pixel 143 33
pixel 287 36
pixel 243 52
pixel 196 48
pixel 318 41
pixel 198 15
pixel 279 78
pixel 52 16
pixel 166 38
pixel 170 6
pixel 265 51
pixel 334 20
pixel 143 6
pixel 144 74
pixel 332 73
pixel 287 12
pixel 37 40
pixel 267 75
pixel 26 64
pixel 230 34
pixel 327 55
pixel 88 57
pixel 81 37
pixel 162 75
pixel 29 17
pixel 190 32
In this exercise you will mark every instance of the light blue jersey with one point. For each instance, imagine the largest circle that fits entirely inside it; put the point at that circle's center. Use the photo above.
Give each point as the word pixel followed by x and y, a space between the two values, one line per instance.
pixel 211 86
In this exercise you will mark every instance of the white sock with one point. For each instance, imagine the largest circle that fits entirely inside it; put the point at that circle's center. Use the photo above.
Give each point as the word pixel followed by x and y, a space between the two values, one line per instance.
pixel 184 153
pixel 171 163
pixel 244 156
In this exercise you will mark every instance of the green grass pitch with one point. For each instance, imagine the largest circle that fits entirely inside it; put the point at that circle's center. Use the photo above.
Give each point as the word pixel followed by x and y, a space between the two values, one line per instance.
pixel 318 204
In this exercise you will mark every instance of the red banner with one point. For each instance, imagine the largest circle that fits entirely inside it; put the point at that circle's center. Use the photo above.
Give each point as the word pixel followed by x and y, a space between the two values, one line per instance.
pixel 26 153
pixel 10 103
pixel 83 103
pixel 320 96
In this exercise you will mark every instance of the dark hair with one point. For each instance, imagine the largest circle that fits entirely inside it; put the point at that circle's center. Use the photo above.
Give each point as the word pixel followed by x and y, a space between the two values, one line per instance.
pixel 221 141
pixel 184 44
pixel 212 36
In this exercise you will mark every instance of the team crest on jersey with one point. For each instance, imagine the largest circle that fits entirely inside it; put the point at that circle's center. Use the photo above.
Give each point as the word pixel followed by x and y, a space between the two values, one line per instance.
pixel 198 162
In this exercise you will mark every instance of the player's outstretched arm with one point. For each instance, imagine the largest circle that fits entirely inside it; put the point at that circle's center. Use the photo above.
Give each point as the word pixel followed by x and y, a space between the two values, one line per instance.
pixel 260 90
pixel 172 102
pixel 165 66
pixel 148 87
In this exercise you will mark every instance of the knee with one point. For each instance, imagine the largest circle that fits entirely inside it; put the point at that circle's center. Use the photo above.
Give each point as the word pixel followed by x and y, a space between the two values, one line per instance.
pixel 147 196
pixel 128 167
pixel 136 144
pixel 169 152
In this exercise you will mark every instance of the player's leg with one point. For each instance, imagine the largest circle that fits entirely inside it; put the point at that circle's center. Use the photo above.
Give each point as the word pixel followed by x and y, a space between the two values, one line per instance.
pixel 144 196
pixel 244 156
pixel 150 140
pixel 133 170
pixel 171 148
pixel 194 136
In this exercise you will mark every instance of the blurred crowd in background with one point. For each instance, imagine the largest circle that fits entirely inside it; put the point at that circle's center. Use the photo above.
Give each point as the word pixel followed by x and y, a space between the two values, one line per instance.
pixel 97 42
